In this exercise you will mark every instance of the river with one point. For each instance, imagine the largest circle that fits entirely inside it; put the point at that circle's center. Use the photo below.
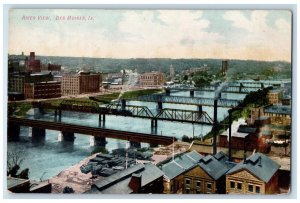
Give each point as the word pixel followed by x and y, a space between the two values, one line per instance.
pixel 48 158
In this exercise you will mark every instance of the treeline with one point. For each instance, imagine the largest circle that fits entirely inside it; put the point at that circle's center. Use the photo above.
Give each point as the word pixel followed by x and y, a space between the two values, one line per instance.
pixel 236 68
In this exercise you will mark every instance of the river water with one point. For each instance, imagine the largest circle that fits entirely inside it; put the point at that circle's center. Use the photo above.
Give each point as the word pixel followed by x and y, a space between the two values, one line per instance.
pixel 47 159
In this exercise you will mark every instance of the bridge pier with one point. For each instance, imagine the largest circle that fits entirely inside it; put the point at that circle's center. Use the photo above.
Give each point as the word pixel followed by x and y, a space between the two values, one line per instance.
pixel 154 123
pixel 38 134
pixel 101 120
pixel 59 115
pixel 262 85
pixel 135 144
pixel 123 104
pixel 168 92
pixel 13 132
pixel 68 136
pixel 159 105
pixel 192 93
pixel 100 141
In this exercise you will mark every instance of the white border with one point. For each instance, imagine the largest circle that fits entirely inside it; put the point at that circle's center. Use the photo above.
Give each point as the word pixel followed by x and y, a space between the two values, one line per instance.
pixel 155 4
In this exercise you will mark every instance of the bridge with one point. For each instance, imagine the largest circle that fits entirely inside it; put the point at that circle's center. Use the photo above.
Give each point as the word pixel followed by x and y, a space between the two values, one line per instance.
pixel 69 130
pixel 237 88
pixel 166 114
pixel 226 103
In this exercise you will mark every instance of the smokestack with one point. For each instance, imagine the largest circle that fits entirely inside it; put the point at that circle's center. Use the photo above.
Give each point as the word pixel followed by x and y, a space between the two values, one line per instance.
pixel 229 134
pixel 32 56
pixel 215 126
pixel 224 67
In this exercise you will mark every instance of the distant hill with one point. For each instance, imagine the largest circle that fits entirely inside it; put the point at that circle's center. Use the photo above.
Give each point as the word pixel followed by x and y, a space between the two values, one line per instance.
pixel 243 69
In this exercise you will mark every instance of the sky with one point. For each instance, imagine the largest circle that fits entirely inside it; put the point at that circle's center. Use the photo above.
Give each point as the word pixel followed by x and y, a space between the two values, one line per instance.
pixel 221 34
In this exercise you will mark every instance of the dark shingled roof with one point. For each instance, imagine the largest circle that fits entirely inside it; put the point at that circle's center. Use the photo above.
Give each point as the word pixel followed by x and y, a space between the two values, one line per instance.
pixel 118 183
pixel 181 164
pixel 258 165
pixel 215 166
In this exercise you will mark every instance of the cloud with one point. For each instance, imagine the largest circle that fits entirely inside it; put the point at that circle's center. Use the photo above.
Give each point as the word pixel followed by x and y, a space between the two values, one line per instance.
pixel 155 33
pixel 254 37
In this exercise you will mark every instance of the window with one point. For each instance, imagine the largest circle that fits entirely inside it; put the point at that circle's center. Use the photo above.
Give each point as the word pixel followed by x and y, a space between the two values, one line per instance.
pixel 187 181
pixel 209 186
pixel 257 189
pixel 198 191
pixel 250 188
pixel 232 184
pixel 187 191
pixel 198 184
pixel 239 186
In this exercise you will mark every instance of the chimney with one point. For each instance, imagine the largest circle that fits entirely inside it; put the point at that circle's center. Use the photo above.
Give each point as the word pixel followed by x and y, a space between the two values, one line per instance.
pixel 32 56
pixel 229 133
pixel 215 126
pixel 135 182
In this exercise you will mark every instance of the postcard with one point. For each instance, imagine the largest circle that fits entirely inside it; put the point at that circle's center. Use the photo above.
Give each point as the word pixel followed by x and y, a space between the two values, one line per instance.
pixel 149 101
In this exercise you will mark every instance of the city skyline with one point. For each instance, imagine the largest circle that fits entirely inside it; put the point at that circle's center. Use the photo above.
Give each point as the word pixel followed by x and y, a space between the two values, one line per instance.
pixel 231 34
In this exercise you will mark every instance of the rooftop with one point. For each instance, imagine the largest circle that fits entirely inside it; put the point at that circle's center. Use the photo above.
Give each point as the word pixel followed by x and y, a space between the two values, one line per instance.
pixel 13 182
pixel 180 164
pixel 279 109
pixel 235 126
pixel 215 166
pixel 119 182
pixel 258 165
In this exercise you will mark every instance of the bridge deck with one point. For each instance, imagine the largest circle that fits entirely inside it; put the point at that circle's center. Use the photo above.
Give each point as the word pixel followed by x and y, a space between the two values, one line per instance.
pixel 93 131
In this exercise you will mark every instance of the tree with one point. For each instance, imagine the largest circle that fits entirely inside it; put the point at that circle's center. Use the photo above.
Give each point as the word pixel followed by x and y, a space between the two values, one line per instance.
pixel 15 157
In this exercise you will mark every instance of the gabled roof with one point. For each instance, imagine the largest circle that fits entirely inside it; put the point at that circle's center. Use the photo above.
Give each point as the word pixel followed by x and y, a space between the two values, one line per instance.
pixel 246 129
pixel 118 182
pixel 278 109
pixel 181 164
pixel 258 165
pixel 215 166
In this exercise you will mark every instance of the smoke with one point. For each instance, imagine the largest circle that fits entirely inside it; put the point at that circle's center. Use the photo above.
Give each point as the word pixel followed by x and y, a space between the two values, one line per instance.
pixel 131 82
pixel 220 89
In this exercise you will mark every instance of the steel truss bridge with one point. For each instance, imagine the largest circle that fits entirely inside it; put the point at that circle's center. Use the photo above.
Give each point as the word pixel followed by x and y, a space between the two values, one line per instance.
pixel 167 114
pixel 226 103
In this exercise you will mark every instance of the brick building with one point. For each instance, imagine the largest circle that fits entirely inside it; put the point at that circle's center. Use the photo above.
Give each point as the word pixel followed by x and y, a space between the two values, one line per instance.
pixel 80 83
pixel 42 90
pixel 258 174
pixel 152 79
pixel 242 137
pixel 174 171
pixel 16 82
pixel 208 176
pixel 279 115
pixel 32 64
pixel 274 96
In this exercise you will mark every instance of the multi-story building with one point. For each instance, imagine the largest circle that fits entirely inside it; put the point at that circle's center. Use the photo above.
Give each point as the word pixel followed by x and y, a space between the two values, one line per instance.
pixel 274 96
pixel 152 79
pixel 141 178
pixel 208 176
pixel 279 115
pixel 32 64
pixel 257 174
pixel 42 90
pixel 80 83
pixel 16 82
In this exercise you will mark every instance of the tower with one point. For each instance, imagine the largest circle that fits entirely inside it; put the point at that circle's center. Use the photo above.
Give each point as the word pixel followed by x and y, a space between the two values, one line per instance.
pixel 224 67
